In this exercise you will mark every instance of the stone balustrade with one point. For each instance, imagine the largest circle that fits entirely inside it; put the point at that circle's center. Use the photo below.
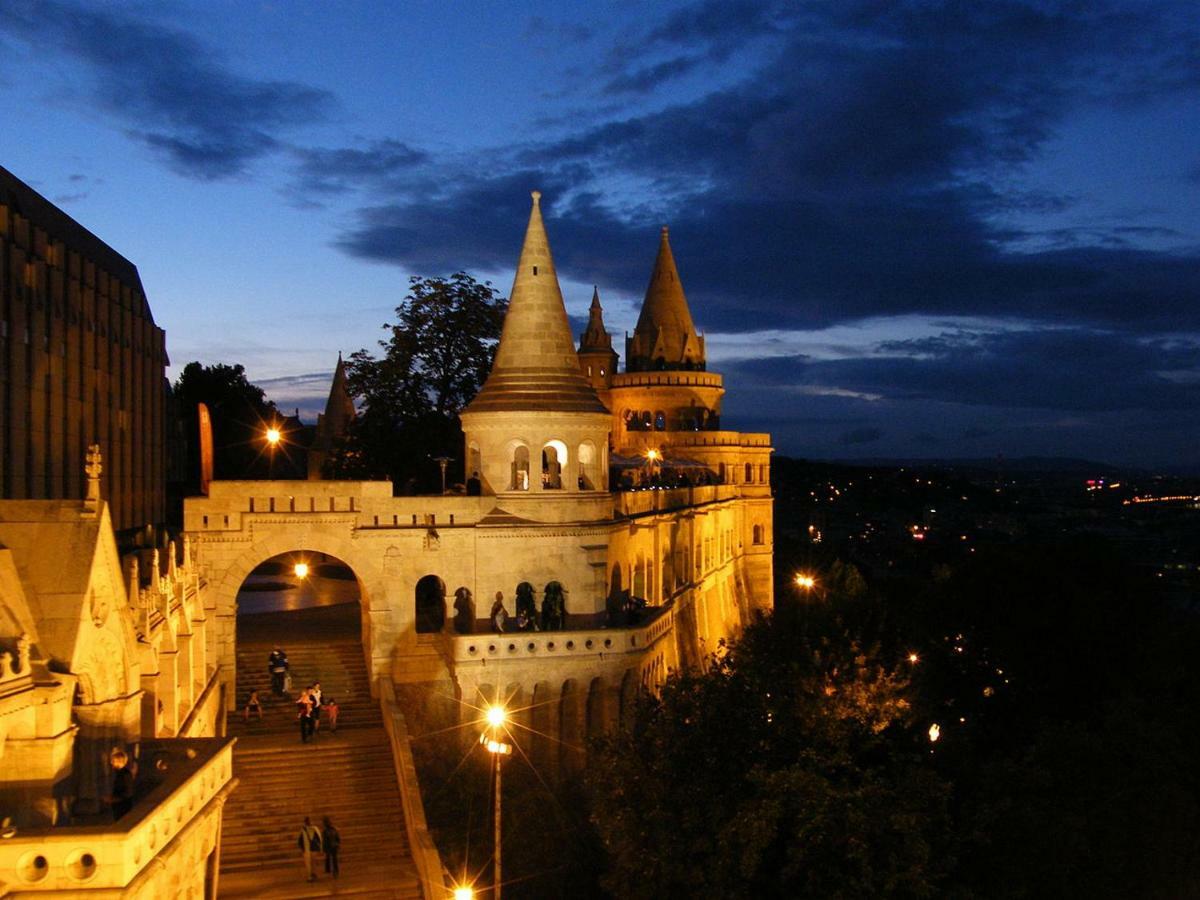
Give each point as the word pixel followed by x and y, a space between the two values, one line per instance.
pixel 188 778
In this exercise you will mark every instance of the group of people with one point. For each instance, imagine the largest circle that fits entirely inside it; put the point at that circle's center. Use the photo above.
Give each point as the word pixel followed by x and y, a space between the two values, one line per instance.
pixel 313 840
pixel 553 615
pixel 309 705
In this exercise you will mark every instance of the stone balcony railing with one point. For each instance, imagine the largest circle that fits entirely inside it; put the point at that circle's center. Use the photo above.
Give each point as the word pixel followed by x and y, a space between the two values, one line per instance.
pixel 181 778
pixel 578 643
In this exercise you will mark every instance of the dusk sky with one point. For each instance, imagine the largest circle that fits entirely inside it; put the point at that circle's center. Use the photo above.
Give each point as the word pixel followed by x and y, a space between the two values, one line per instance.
pixel 907 229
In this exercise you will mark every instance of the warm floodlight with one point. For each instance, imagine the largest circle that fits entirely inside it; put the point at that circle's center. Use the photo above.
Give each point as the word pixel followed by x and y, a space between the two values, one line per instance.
pixel 496 716
pixel 301 570
pixel 274 436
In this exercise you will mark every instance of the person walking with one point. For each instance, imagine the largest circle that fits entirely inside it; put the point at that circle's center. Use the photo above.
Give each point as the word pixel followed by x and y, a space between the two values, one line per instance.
pixel 331 709
pixel 304 714
pixel 309 842
pixel 278 666
pixel 331 840
pixel 314 697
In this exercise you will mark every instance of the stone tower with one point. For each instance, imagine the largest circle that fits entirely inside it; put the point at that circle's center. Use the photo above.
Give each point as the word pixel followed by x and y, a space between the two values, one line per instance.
pixel 665 386
pixel 334 424
pixel 596 353
pixel 537 431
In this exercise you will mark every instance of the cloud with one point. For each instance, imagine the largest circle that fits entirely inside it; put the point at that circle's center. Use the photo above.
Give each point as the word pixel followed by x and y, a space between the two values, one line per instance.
pixel 860 436
pixel 862 169
pixel 1063 370
pixel 202 118
pixel 376 164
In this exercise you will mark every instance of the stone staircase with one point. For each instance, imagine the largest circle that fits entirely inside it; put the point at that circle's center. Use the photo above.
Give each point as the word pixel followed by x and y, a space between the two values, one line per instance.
pixel 348 776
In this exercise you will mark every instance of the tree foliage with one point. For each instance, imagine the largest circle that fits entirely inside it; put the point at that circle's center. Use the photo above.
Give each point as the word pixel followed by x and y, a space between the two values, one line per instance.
pixel 435 359
pixel 239 411
pixel 790 767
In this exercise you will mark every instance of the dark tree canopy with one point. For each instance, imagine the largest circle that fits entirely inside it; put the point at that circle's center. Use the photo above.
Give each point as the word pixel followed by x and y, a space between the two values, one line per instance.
pixel 790 768
pixel 435 359
pixel 240 412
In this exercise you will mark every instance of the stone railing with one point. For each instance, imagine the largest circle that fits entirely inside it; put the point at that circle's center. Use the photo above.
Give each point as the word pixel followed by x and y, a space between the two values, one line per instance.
pixel 424 852
pixel 649 500
pixel 558 645
pixel 74 859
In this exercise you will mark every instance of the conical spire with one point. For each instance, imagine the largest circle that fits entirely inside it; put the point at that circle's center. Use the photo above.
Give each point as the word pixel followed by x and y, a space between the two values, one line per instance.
pixel 665 336
pixel 595 336
pixel 339 408
pixel 536 366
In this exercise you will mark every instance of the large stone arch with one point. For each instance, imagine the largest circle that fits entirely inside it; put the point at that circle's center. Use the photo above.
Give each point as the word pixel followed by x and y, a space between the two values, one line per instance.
pixel 225 580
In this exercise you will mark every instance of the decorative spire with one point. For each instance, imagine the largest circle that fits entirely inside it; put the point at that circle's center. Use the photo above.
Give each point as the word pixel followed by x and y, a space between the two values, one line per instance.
pixel 536 365
pixel 595 337
pixel 339 408
pixel 665 337
pixel 92 468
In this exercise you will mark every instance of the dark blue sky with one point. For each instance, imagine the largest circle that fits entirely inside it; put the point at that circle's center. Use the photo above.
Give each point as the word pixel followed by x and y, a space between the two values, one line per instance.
pixel 908 229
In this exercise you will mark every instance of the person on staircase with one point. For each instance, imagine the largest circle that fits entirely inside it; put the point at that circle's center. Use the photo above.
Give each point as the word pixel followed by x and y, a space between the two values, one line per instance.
pixel 331 710
pixel 304 715
pixel 277 665
pixel 309 842
pixel 253 705
pixel 314 697
pixel 331 840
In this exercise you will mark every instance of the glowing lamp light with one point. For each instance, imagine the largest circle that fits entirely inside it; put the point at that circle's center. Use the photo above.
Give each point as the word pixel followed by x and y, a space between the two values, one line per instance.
pixel 935 732
pixel 301 570
pixel 464 893
pixel 496 716
pixel 653 455
pixel 807 582
pixel 913 658
pixel 274 436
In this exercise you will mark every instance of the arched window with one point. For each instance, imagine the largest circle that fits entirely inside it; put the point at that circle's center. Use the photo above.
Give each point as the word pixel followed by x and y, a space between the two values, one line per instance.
pixel 631 420
pixel 749 473
pixel 587 466
pixel 758 534
pixel 647 420
pixel 554 457
pixel 520 469
pixel 431 604
pixel 660 421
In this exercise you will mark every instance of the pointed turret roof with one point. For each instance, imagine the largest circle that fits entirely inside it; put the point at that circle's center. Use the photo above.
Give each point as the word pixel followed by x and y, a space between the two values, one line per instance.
pixel 664 327
pixel 536 365
pixel 339 408
pixel 595 336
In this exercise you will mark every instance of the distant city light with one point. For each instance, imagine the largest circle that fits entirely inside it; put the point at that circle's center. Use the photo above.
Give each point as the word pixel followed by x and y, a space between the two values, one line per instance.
pixel 913 658
pixel 935 732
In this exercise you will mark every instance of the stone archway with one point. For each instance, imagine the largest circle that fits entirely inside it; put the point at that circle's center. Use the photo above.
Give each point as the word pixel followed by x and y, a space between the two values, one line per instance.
pixel 378 630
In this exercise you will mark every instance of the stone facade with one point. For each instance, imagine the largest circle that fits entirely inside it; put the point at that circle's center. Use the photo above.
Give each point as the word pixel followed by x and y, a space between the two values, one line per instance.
pixel 81 362
pixel 101 657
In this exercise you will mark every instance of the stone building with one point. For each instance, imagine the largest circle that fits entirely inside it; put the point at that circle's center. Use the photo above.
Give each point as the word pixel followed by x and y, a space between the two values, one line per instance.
pixel 102 667
pixel 81 362
pixel 619 490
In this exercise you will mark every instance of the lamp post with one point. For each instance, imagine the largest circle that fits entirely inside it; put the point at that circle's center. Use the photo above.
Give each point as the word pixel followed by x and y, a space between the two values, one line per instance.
pixel 491 739
pixel 443 461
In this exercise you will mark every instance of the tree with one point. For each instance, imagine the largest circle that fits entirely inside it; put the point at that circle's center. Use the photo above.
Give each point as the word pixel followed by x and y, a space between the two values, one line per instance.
pixel 240 412
pixel 436 358
pixel 790 767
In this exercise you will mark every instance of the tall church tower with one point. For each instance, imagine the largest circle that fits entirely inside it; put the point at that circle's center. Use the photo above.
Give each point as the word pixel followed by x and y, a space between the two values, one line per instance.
pixel 537 433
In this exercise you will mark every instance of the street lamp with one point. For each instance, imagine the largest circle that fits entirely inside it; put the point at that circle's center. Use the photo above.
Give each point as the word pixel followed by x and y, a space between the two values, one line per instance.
pixel 443 461
pixel 301 569
pixel 805 582
pixel 464 893
pixel 274 436
pixel 496 716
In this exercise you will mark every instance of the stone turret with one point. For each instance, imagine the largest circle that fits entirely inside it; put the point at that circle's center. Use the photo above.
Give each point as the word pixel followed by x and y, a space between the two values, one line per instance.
pixel 537 426
pixel 334 424
pixel 665 337
pixel 596 353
